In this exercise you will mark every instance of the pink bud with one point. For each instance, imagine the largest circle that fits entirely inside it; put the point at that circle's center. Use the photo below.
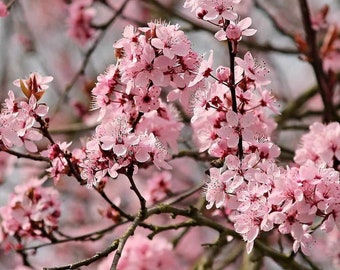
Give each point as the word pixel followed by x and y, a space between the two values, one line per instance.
pixel 200 13
pixel 233 32
pixel 223 73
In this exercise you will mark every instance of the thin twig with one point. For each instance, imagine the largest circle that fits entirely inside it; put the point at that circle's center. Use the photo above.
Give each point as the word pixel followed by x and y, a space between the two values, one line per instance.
pixel 121 241
pixel 88 54
pixel 113 206
pixel 135 189
pixel 73 128
pixel 315 60
pixel 187 194
pixel 85 237
pixel 159 229
pixel 87 261
pixel 27 156
pixel 232 48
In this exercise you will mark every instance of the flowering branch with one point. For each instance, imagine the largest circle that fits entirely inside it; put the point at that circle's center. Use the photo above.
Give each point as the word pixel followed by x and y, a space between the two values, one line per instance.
pixel 232 46
pixel 176 128
pixel 197 26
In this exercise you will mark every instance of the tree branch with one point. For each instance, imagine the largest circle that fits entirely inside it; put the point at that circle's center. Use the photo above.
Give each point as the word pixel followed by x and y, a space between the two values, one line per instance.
pixel 315 60
pixel 88 261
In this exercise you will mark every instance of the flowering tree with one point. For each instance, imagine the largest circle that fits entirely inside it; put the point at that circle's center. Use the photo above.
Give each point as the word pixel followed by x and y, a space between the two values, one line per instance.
pixel 170 158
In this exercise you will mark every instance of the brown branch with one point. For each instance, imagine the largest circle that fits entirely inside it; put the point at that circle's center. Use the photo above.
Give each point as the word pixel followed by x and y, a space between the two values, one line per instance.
pixel 113 206
pixel 136 191
pixel 85 237
pixel 283 260
pixel 187 194
pixel 73 128
pixel 159 229
pixel 10 4
pixel 122 241
pixel 88 261
pixel 74 169
pixel 27 156
pixel 315 60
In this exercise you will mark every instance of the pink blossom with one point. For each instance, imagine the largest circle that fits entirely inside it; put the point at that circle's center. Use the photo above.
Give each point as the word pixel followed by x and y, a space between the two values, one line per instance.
pixel 115 135
pixel 212 9
pixel 105 86
pixel 147 98
pixel 204 70
pixel 204 135
pixel 265 149
pixel 239 171
pixel 156 150
pixel 3 10
pixel 143 253
pixel 32 211
pixel 252 70
pixel 248 225
pixel 130 34
pixel 237 125
pixel 268 100
pixel 234 32
pixel 321 144
pixel 170 40
pixel 59 165
pixel 215 189
pixel 80 16
pixel 305 241
pixel 151 68
pixel 158 186
pixel 165 124
pixel 253 197
pixel 18 122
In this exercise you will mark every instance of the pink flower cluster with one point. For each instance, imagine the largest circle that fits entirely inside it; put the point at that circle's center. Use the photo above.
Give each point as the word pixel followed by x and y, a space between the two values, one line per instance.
pixel 115 148
pixel 149 59
pixel 258 195
pixel 59 164
pixel 320 145
pixel 212 9
pixel 141 253
pixel 79 21
pixel 31 213
pixel 158 187
pixel 18 118
pixel 221 12
pixel 144 129
pixel 255 193
pixel 212 103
